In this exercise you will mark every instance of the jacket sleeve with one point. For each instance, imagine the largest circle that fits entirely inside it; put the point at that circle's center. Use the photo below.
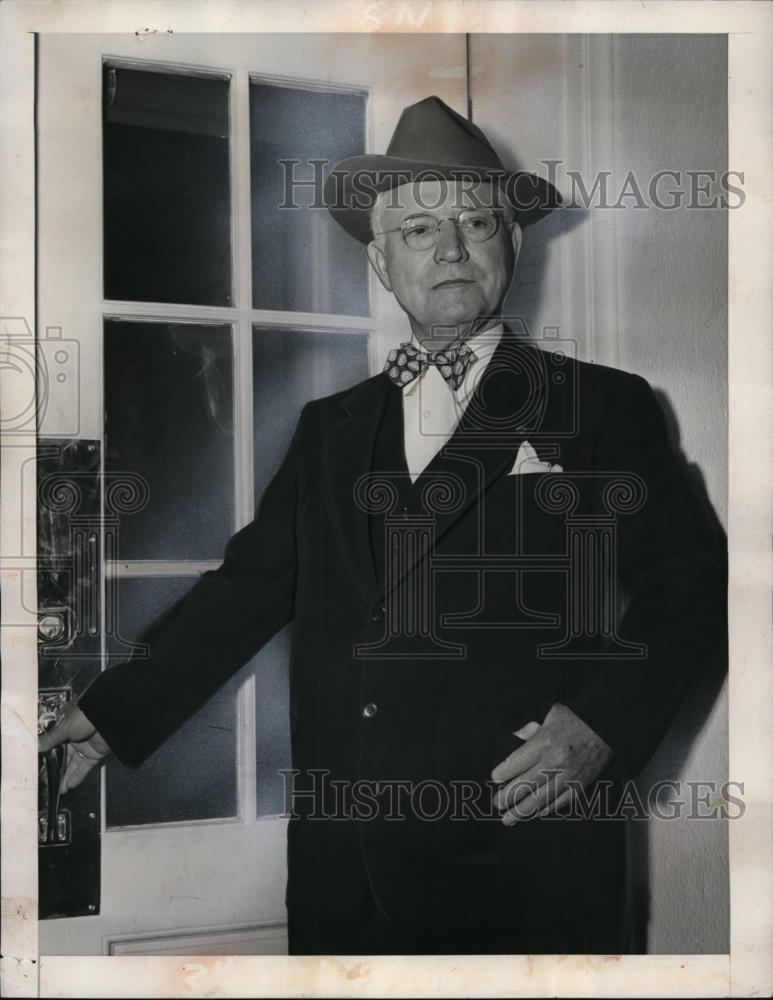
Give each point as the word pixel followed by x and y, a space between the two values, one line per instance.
pixel 207 636
pixel 671 557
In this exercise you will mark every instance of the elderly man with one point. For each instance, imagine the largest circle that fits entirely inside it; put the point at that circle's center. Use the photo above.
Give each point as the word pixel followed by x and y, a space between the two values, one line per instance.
pixel 433 531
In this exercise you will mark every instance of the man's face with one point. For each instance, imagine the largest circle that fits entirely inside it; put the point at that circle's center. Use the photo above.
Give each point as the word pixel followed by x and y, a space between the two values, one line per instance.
pixel 455 282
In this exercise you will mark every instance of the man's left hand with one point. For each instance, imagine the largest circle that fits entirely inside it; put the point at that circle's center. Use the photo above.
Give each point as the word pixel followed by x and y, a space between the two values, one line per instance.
pixel 561 750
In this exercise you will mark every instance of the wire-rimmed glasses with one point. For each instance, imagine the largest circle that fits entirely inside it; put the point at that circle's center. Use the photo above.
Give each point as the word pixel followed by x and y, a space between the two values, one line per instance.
pixel 420 231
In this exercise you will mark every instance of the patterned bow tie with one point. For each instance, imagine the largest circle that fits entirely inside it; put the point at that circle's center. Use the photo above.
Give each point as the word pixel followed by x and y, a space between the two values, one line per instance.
pixel 407 363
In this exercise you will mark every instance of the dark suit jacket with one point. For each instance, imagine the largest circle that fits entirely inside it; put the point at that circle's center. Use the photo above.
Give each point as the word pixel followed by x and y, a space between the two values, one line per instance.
pixel 441 714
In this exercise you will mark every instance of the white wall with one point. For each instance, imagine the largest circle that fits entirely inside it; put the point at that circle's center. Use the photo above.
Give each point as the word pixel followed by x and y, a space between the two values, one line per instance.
pixel 646 291
pixel 672 266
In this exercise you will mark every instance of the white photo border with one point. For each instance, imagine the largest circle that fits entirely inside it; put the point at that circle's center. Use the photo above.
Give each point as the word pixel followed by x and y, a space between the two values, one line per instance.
pixel 748 969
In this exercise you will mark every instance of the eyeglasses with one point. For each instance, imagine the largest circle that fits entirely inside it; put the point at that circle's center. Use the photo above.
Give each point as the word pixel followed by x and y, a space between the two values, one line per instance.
pixel 420 232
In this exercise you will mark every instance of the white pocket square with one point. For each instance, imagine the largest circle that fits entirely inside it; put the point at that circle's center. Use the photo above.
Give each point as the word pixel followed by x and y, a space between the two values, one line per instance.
pixel 527 461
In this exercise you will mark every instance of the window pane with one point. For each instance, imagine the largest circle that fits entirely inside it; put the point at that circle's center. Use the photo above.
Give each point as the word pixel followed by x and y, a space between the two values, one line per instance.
pixel 289 368
pixel 193 775
pixel 166 187
pixel 301 259
pixel 272 722
pixel 169 420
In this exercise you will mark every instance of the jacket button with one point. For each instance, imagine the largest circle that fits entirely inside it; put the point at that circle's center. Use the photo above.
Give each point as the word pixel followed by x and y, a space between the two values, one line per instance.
pixel 370 710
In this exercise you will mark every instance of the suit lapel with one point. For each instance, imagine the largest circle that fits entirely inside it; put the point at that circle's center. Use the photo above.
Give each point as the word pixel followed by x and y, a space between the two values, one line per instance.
pixel 507 406
pixel 349 445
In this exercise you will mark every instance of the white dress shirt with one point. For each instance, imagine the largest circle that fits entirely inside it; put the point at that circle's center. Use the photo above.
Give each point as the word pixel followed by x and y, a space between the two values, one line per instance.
pixel 432 409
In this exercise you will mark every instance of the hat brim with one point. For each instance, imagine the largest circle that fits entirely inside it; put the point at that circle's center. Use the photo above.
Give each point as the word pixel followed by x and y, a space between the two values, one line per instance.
pixel 351 188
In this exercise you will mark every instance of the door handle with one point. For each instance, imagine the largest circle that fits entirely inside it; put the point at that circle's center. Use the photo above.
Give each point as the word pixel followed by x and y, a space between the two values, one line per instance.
pixel 70 526
pixel 53 822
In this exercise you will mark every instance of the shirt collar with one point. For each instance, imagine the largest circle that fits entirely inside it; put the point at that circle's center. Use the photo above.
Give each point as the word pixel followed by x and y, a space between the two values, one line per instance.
pixel 483 344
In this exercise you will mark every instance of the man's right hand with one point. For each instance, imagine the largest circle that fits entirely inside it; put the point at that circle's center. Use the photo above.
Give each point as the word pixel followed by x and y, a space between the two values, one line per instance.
pixel 85 747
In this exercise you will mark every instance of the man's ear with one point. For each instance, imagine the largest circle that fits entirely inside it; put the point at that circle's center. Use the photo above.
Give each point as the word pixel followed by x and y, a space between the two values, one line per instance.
pixel 379 264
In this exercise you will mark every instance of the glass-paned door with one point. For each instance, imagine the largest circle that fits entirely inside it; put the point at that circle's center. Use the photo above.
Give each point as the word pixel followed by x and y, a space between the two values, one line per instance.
pixel 170 391
pixel 208 311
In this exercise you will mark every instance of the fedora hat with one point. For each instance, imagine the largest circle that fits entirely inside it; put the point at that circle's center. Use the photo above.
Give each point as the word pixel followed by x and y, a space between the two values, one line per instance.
pixel 431 142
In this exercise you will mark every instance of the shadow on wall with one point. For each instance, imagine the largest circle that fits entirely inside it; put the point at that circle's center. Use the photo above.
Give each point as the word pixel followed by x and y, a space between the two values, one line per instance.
pixel 673 752
pixel 694 713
